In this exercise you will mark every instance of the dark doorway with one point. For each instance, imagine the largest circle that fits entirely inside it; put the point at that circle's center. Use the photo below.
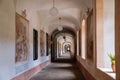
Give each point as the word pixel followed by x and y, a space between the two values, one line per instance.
pixel 47 41
pixel 35 44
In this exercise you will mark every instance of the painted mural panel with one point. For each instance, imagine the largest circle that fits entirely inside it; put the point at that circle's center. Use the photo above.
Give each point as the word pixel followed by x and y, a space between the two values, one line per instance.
pixel 90 36
pixel 21 53
pixel 42 43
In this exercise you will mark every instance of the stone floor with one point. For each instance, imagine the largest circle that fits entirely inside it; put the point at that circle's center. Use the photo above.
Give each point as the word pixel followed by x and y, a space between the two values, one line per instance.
pixel 59 71
pixel 65 56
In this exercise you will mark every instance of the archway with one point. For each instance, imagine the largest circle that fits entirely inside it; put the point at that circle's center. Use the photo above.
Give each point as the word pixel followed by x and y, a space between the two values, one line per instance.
pixel 62 41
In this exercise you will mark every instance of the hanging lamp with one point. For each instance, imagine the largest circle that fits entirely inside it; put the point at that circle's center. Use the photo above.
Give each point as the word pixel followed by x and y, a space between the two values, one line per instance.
pixel 53 10
pixel 60 28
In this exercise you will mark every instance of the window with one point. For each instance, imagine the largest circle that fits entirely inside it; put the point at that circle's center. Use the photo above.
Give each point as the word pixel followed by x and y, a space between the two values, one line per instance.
pixel 83 41
pixel 105 35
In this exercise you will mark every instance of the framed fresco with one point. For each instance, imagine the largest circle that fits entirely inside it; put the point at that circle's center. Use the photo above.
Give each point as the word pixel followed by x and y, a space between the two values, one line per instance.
pixel 42 42
pixel 21 41
pixel 90 36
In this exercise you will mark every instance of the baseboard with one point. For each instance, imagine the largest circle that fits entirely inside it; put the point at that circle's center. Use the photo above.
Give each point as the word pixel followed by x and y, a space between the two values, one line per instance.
pixel 28 74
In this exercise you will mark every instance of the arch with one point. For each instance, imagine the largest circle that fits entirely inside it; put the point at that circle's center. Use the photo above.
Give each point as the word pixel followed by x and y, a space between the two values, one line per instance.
pixel 54 37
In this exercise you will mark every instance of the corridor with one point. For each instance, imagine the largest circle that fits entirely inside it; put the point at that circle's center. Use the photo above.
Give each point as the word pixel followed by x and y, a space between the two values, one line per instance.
pixel 37 34
pixel 59 71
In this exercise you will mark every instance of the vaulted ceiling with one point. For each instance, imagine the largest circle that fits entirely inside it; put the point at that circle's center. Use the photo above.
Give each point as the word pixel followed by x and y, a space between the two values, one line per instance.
pixel 70 12
pixel 68 37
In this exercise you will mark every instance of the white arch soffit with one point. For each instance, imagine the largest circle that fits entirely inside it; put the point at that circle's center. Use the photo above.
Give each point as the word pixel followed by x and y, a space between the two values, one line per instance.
pixel 68 39
pixel 65 7
pixel 61 40
pixel 51 23
pixel 62 34
pixel 66 43
pixel 60 4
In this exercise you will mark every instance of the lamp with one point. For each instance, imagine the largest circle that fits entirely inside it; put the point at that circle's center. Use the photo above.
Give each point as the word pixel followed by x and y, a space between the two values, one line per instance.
pixel 60 28
pixel 53 10
pixel 64 37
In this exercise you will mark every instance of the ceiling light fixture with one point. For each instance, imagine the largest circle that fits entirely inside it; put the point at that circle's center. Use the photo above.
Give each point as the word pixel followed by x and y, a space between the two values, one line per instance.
pixel 60 28
pixel 53 10
pixel 64 37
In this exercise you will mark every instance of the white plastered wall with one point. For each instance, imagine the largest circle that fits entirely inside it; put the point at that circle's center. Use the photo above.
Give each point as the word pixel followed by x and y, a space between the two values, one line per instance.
pixel 7 39
pixel 34 23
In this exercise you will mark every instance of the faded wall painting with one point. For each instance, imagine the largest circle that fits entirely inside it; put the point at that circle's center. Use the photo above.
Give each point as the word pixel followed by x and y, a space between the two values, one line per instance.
pixel 90 36
pixel 42 43
pixel 21 41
